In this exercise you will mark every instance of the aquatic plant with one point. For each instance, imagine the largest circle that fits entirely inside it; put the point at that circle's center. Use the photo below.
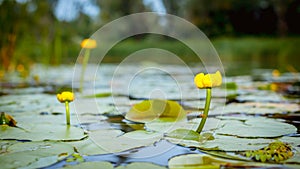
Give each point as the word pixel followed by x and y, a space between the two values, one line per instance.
pixel 207 81
pixel 87 44
pixel 276 151
pixel 66 97
pixel 6 119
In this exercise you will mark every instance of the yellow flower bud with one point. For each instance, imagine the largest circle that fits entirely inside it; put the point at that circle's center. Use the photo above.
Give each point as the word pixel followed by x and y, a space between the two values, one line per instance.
pixel 208 80
pixel 275 73
pixel 88 43
pixel 65 96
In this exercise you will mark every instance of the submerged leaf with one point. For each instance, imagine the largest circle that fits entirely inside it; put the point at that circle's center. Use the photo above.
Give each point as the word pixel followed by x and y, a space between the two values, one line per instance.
pixel 150 110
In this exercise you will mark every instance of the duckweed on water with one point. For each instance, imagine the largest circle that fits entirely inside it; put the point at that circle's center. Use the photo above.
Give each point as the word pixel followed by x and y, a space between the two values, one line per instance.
pixel 274 152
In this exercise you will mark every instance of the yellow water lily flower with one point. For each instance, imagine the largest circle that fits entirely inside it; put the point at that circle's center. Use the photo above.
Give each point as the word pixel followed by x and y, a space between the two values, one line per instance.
pixel 208 80
pixel 88 43
pixel 65 96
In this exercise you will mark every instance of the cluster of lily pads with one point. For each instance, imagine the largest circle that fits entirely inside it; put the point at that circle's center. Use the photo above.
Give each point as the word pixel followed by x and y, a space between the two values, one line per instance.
pixel 41 137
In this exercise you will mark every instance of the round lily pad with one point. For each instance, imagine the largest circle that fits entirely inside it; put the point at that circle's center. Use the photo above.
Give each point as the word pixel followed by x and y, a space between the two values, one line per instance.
pixel 39 132
pixel 113 141
pixel 91 164
pixel 149 110
pixel 256 127
pixel 34 154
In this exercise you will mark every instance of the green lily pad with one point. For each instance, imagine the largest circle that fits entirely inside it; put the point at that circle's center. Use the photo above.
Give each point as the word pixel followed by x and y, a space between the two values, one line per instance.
pixel 261 96
pixel 41 132
pixel 225 143
pixel 91 165
pixel 34 154
pixel 113 141
pixel 19 103
pixel 27 119
pixel 184 134
pixel 256 108
pixel 139 165
pixel 204 161
pixel 90 105
pixel 150 110
pixel 199 161
pixel 294 141
pixel 256 127
pixel 165 127
pixel 5 144
pixel 87 147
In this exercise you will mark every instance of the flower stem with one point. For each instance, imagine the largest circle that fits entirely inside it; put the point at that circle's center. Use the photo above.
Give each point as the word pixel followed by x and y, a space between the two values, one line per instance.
pixel 67 113
pixel 84 64
pixel 206 109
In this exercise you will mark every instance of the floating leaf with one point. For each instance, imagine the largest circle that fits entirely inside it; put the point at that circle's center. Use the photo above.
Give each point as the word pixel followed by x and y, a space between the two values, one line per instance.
pixel 294 141
pixel 165 127
pixel 91 164
pixel 261 96
pixel 113 141
pixel 5 144
pixel 87 147
pixel 184 134
pixel 41 132
pixel 150 110
pixel 256 108
pixel 139 165
pixel 225 143
pixel 256 127
pixel 34 154
pixel 199 161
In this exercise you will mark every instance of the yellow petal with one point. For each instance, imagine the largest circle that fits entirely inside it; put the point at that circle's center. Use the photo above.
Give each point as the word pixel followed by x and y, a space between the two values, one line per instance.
pixel 65 96
pixel 217 79
pixel 199 80
pixel 208 80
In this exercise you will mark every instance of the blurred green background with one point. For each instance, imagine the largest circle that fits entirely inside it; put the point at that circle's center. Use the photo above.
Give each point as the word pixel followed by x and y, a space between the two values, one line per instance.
pixel 246 34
